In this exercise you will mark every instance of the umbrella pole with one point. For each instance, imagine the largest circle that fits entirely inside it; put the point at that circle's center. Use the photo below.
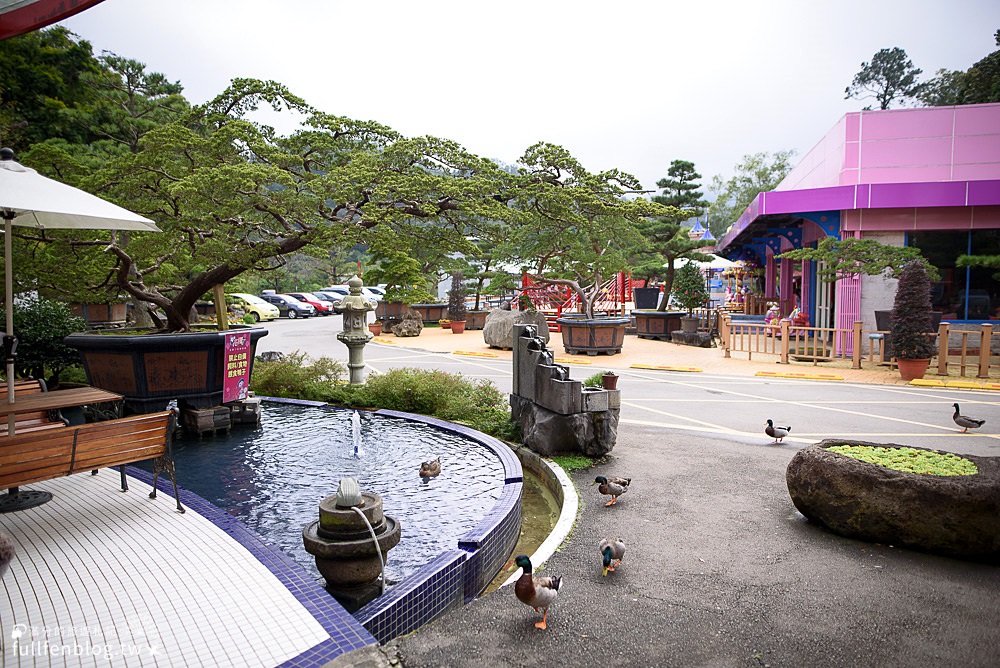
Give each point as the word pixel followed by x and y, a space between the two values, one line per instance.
pixel 8 216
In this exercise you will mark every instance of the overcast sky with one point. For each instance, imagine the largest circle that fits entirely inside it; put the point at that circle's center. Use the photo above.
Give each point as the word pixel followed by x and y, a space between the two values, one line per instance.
pixel 626 84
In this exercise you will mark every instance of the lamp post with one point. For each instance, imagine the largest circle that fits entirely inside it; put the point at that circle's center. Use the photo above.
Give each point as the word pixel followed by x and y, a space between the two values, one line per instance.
pixel 355 332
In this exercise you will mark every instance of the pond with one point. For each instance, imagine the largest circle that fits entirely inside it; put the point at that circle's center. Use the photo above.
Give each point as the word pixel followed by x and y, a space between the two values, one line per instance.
pixel 273 476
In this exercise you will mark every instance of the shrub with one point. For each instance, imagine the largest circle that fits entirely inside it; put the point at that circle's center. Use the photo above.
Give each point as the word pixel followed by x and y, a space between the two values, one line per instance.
pixel 40 326
pixel 689 287
pixel 594 381
pixel 297 376
pixel 911 314
pixel 456 297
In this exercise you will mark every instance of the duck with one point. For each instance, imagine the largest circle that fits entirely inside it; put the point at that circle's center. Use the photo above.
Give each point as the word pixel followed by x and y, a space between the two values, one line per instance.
pixel 965 422
pixel 431 468
pixel 611 548
pixel 613 487
pixel 538 591
pixel 777 433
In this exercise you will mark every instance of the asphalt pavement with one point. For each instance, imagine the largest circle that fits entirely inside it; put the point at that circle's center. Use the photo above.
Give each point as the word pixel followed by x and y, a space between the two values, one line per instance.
pixel 720 568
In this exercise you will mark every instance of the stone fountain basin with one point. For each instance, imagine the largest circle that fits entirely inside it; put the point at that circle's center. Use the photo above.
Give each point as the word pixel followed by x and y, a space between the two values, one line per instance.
pixel 956 516
pixel 347 550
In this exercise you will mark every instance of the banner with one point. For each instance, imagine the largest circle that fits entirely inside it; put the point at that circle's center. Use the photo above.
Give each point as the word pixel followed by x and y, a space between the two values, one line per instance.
pixel 236 358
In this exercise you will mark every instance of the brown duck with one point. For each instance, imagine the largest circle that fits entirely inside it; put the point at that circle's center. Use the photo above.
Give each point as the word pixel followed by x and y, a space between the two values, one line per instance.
pixel 613 487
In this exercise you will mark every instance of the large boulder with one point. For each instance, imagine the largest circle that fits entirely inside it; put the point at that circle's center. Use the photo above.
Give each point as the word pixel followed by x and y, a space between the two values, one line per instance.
pixel 955 516
pixel 498 332
pixel 411 324
pixel 549 433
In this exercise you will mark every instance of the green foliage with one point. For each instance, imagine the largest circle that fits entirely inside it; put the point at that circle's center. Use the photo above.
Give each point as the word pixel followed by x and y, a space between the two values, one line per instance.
pixel 943 90
pixel 573 462
pixel 985 261
pixel 570 227
pixel 911 460
pixel 476 403
pixel 890 76
pixel 297 376
pixel 456 297
pixel 857 256
pixel 40 326
pixel 911 314
pixel 594 380
pixel 754 174
pixel 681 189
pixel 981 83
pixel 689 287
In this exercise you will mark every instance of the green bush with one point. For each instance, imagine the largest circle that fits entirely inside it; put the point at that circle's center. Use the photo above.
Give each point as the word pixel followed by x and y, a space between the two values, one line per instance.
pixel 40 326
pixel 595 380
pixel 297 376
pixel 475 403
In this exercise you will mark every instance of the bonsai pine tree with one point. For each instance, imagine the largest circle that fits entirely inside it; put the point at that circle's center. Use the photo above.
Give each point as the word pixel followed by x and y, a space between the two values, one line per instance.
pixel 689 287
pixel 911 314
pixel 456 297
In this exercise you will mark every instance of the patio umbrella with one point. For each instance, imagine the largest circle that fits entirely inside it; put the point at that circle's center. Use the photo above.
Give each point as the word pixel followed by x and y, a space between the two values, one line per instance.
pixel 29 199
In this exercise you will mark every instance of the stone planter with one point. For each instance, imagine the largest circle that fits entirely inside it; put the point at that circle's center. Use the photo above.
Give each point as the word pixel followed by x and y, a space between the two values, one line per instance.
pixel 689 325
pixel 390 312
pixel 601 335
pixel 150 370
pixel 475 319
pixel 951 515
pixel 657 324
pixel 431 313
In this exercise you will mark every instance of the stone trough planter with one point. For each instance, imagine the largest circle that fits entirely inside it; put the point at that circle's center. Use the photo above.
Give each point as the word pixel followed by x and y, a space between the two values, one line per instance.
pixel 955 516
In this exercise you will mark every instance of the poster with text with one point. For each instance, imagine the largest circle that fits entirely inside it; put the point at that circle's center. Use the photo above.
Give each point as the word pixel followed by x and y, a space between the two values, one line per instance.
pixel 237 361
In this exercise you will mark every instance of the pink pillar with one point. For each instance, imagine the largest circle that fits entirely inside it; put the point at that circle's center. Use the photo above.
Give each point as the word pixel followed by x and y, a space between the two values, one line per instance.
pixel 770 276
pixel 848 310
pixel 787 298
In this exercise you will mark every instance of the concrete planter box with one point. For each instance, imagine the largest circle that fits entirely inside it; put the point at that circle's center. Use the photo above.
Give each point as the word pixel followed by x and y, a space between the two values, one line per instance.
pixel 101 315
pixel 475 319
pixel 600 335
pixel 431 313
pixel 150 370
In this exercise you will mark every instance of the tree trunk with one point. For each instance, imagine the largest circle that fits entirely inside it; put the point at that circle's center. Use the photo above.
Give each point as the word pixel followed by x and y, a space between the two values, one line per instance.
pixel 668 286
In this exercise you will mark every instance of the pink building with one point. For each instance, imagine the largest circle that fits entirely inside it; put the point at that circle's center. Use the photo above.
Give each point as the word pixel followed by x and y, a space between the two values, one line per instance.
pixel 927 177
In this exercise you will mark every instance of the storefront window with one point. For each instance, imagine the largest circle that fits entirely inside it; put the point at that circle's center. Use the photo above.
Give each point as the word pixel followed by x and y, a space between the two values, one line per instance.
pixel 962 293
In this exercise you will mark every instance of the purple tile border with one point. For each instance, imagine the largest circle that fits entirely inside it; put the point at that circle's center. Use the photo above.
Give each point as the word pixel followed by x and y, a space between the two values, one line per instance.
pixel 451 578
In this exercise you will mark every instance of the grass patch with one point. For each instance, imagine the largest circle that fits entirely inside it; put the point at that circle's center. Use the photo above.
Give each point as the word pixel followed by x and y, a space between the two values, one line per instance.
pixel 573 462
pixel 929 462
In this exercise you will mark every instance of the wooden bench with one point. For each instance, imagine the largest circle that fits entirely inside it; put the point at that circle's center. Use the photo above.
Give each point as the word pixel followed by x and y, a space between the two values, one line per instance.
pixel 52 453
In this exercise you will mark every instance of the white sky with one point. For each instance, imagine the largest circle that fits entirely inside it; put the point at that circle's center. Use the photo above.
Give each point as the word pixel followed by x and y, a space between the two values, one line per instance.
pixel 631 84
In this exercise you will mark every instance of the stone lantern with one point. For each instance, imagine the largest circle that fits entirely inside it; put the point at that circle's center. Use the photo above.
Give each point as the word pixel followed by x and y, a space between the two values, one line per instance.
pixel 355 332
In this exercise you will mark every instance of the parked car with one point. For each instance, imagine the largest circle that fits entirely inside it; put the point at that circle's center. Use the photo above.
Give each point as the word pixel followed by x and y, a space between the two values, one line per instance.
pixel 345 290
pixel 255 306
pixel 290 307
pixel 322 306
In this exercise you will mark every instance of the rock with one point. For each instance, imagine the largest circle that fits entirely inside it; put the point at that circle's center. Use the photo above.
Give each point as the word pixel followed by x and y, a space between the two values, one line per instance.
pixel 498 332
pixel 549 433
pixel 411 324
pixel 954 516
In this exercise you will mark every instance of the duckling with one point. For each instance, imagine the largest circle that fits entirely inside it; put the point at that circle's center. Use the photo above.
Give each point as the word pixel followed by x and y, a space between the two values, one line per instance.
pixel 431 468
pixel 965 422
pixel 611 548
pixel 538 591
pixel 613 487
pixel 777 433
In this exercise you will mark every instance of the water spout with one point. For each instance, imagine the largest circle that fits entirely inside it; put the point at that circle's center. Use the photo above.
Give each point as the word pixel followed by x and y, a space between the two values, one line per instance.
pixel 356 434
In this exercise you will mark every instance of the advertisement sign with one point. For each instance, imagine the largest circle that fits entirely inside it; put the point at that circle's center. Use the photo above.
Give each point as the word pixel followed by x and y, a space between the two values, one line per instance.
pixel 236 384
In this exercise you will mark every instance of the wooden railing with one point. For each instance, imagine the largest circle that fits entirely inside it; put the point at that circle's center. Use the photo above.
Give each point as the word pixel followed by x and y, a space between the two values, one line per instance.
pixel 960 352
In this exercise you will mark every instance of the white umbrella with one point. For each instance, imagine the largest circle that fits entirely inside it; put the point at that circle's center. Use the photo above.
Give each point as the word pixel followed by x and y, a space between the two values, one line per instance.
pixel 29 199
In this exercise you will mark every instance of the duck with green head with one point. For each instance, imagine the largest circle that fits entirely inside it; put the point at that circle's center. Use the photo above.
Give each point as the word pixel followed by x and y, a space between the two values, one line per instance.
pixel 613 487
pixel 538 591
pixel 611 548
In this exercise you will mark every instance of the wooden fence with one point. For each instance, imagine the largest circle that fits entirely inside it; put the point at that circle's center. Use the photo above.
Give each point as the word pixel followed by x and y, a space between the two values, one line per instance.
pixel 961 352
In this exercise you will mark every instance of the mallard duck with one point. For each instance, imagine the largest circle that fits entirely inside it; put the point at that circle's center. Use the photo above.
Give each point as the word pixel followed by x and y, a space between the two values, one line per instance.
pixel 611 548
pixel 538 591
pixel 777 433
pixel 431 468
pixel 965 422
pixel 613 487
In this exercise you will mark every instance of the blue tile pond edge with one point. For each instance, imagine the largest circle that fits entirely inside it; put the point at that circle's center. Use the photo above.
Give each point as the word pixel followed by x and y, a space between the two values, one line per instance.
pixel 453 577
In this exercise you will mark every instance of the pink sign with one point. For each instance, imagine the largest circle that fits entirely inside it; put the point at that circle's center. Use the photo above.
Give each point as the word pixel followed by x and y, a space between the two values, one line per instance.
pixel 236 384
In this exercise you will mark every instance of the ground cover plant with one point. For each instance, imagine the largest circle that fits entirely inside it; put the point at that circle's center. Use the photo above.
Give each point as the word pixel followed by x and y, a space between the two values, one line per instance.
pixel 909 459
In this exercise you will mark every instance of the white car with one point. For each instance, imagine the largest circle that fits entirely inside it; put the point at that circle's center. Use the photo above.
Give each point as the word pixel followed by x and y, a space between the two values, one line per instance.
pixel 345 290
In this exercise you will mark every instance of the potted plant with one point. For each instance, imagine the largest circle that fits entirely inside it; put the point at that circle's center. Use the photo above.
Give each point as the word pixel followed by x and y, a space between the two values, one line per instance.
pixel 572 229
pixel 690 292
pixel 911 321
pixel 456 303
pixel 609 380
pixel 375 328
pixel 444 323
